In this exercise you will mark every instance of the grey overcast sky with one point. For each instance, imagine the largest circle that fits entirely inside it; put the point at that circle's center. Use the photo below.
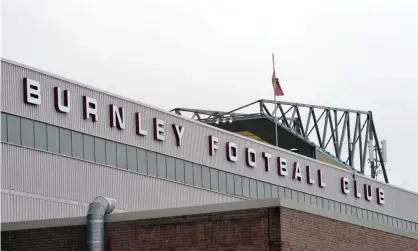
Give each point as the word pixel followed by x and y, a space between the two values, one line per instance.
pixel 217 55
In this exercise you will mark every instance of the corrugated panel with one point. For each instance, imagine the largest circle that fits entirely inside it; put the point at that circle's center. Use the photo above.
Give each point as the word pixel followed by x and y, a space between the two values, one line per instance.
pixel 18 207
pixel 195 146
pixel 22 206
pixel 56 176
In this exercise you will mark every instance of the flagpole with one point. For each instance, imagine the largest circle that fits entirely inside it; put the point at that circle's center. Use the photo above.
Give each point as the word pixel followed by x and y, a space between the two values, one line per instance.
pixel 275 107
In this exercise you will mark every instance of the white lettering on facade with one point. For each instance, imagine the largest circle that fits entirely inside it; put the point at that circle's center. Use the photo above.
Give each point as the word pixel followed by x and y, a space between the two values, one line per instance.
pixel 117 118
pixel 321 181
pixel 267 161
pixel 282 166
pixel 138 125
pixel 32 95
pixel 250 157
pixel 213 145
pixel 356 190
pixel 309 176
pixel 297 174
pixel 159 129
pixel 178 132
pixel 232 152
pixel 62 100
pixel 90 109
pixel 368 192
pixel 380 196
pixel 31 91
pixel 345 185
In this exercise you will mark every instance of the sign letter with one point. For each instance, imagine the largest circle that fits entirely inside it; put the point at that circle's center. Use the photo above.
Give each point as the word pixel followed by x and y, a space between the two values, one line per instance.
pixel 297 174
pixel 139 130
pixel 309 176
pixel 117 117
pixel 282 165
pixel 64 108
pixel 380 196
pixel 31 91
pixel 356 190
pixel 368 192
pixel 159 129
pixel 213 141
pixel 178 131
pixel 321 179
pixel 267 160
pixel 250 156
pixel 232 152
pixel 345 189
pixel 90 108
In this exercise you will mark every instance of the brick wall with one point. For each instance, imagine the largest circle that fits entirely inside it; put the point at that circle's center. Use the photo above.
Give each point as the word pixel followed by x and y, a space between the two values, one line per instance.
pixel 258 229
pixel 239 230
pixel 303 231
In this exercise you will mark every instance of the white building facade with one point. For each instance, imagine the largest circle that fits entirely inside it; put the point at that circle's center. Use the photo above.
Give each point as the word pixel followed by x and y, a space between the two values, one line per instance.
pixel 64 143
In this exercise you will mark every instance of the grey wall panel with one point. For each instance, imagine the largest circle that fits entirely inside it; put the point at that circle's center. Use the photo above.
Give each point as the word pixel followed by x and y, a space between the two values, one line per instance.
pixel 18 206
pixel 61 177
pixel 23 206
pixel 195 147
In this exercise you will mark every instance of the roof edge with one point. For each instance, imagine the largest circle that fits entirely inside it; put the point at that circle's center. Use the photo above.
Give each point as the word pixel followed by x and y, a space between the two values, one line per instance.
pixel 207 209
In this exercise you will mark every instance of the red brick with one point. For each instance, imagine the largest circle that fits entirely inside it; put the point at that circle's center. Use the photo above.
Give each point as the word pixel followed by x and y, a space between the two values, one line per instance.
pixel 258 229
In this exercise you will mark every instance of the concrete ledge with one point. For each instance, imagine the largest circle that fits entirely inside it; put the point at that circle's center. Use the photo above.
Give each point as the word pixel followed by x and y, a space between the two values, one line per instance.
pixel 212 208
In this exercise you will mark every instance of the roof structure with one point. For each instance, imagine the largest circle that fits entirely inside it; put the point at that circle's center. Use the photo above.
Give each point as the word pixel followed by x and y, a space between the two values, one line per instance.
pixel 343 135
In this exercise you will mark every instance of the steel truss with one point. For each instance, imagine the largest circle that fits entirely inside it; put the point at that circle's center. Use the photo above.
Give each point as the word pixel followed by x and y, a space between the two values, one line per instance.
pixel 339 132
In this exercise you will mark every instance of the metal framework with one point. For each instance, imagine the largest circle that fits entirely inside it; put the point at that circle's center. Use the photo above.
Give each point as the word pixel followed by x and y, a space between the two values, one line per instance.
pixel 339 132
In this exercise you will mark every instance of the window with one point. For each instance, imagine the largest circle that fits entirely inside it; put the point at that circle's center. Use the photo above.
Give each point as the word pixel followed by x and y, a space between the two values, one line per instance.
pixel 319 202
pixel 161 166
pixel 347 209
pixel 152 163
pixel 40 136
pixel 131 156
pixel 142 161
pixel 274 191
pixel 238 185
pixel 28 133
pixel 88 147
pixel 343 208
pixel 246 187
pixel 253 189
pixel 326 203
pixel 188 173
pixel 99 150
pixel 260 190
pixel 197 175
pixel 77 145
pixel 312 200
pixel 230 187
pixel 295 195
pixel 65 141
pixel 222 182
pixel 300 197
pixel 337 206
pixel 282 193
pixel 205 177
pixel 287 193
pixel 3 127
pixel 110 153
pixel 214 183
pixel 359 212
pixel 267 191
pixel 171 168
pixel 13 129
pixel 180 170
pixel 121 159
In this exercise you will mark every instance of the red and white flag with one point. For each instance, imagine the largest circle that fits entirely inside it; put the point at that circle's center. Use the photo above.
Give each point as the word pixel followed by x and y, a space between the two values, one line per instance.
pixel 276 85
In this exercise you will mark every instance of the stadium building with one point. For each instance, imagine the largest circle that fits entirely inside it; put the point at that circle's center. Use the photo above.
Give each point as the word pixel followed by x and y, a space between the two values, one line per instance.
pixel 73 155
